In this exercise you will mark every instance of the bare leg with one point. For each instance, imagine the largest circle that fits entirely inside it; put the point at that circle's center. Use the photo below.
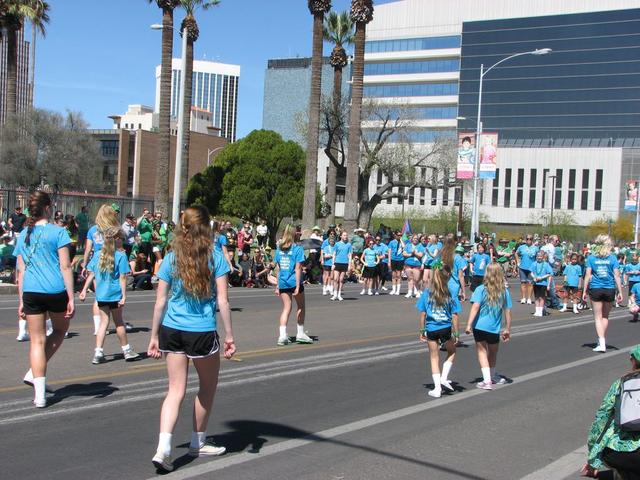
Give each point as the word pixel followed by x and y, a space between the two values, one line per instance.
pixel 102 328
pixel 121 331
pixel 482 352
pixel 300 308
pixel 42 348
pixel 434 356
pixel 286 308
pixel 177 370
pixel 208 369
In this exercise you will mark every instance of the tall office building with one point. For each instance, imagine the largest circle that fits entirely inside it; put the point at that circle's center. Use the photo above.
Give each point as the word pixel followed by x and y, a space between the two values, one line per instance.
pixel 23 88
pixel 215 89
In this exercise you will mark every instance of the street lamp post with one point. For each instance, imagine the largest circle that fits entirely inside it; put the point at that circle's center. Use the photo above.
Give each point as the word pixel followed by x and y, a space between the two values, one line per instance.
pixel 475 210
pixel 175 209
pixel 553 197
pixel 211 152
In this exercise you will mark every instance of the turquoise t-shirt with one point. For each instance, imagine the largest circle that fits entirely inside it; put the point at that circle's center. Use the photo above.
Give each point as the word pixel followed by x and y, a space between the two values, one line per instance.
pixel 370 257
pixel 327 250
pixel 437 317
pixel 383 252
pixel 459 263
pixel 95 235
pixel 635 291
pixel 413 261
pixel 573 274
pixel 480 261
pixel 342 251
pixel 540 269
pixel 633 271
pixel 602 271
pixel 432 253
pixel 108 283
pixel 42 264
pixel 184 311
pixel 527 256
pixel 287 261
pixel 489 318
pixel 396 251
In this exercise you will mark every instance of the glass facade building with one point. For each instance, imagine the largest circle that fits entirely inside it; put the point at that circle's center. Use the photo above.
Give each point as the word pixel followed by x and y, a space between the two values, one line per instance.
pixel 586 93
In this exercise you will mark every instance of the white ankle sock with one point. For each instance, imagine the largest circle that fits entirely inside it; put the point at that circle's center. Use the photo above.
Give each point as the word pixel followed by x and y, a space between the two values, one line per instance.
pixel 164 443
pixel 22 327
pixel 98 350
pixel 198 439
pixel 96 323
pixel 38 388
pixel 486 374
pixel 126 347
pixel 300 330
pixel 446 369
pixel 283 331
pixel 539 311
pixel 436 382
pixel 602 342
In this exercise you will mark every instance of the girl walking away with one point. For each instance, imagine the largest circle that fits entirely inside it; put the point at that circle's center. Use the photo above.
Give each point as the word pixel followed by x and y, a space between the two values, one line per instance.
pixel 289 259
pixel 541 274
pixel 45 286
pixel 413 253
pixel 370 261
pixel 185 328
pixel 109 268
pixel 572 282
pixel 326 258
pixel 341 264
pixel 490 313
pixel 478 264
pixel 396 259
pixel 601 280
pixel 439 324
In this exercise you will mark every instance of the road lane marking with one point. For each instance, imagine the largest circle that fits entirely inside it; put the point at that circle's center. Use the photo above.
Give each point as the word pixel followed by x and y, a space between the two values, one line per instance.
pixel 562 468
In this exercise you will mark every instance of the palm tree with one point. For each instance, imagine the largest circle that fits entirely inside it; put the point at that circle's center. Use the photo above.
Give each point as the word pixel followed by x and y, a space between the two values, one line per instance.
pixel 161 198
pixel 338 30
pixel 317 8
pixel 361 14
pixel 193 32
pixel 17 11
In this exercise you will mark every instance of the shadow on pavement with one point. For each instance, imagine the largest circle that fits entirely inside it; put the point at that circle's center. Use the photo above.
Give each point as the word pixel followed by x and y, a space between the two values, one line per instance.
pixel 594 345
pixel 96 390
pixel 252 434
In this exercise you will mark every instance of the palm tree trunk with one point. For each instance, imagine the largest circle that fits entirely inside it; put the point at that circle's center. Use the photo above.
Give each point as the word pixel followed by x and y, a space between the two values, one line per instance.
pixel 333 170
pixel 355 120
pixel 12 70
pixel 161 198
pixel 186 121
pixel 311 176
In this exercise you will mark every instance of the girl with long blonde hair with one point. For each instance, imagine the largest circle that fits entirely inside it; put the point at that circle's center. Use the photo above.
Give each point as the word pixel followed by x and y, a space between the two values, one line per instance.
pixel 109 268
pixel 490 320
pixel 185 328
pixel 289 259
pixel 603 285
pixel 439 324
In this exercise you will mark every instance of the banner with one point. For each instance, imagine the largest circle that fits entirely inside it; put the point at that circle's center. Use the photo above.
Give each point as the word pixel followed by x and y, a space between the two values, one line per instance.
pixel 406 231
pixel 488 155
pixel 467 155
pixel 631 196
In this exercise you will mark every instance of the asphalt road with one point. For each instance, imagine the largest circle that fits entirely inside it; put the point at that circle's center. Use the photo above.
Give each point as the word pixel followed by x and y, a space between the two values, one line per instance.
pixel 353 405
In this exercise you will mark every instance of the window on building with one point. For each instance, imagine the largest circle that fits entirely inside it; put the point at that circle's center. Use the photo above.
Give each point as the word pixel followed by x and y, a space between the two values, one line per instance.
pixel 445 188
pixel 434 191
pixel 533 178
pixel 520 190
pixel 558 188
pixel 598 198
pixel 507 187
pixel 496 189
pixel 571 199
pixel 422 194
pixel 412 198
pixel 584 201
pixel 545 174
pixel 340 191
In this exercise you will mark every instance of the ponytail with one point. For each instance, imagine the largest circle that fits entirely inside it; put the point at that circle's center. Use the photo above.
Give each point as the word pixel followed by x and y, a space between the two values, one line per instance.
pixel 440 293
pixel 38 201
pixel 106 262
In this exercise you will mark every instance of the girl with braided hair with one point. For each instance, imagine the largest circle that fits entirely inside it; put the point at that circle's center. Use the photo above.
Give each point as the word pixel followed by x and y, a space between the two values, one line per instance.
pixel 109 268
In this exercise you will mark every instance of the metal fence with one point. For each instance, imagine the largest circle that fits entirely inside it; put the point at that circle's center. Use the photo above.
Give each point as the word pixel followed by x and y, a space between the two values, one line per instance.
pixel 72 202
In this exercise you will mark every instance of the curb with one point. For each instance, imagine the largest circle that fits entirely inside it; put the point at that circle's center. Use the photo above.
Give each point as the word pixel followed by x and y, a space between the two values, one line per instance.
pixel 8 289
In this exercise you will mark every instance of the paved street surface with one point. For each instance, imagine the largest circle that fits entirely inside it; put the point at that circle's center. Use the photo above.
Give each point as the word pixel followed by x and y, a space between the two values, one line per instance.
pixel 352 406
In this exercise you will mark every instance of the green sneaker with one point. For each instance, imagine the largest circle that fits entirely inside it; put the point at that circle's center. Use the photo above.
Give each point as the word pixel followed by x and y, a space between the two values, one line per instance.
pixel 303 338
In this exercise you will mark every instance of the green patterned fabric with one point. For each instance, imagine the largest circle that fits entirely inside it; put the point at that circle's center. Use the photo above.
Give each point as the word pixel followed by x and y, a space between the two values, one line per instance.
pixel 613 437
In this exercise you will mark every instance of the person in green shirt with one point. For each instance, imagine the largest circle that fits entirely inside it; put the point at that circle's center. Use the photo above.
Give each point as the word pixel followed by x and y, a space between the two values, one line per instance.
pixel 6 249
pixel 145 230
pixel 608 445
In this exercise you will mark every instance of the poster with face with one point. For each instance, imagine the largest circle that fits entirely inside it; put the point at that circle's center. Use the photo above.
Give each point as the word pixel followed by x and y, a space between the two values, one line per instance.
pixel 488 154
pixel 466 155
pixel 631 195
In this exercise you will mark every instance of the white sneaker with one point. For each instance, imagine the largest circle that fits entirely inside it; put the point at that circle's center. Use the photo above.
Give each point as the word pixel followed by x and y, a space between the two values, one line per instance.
pixel 529 302
pixel 376 292
pixel 324 291
pixel 40 403
pixel 340 298
pixel 303 338
pixel 162 462
pixel 600 348
pixel 23 337
pixel 384 289
pixel 563 309
pixel 408 295
pixel 363 291
pixel 498 380
pixel 523 301
pixel 575 310
pixel 334 297
pixel 369 293
pixel 283 341
pixel 207 450
pixel 447 384
pixel 435 393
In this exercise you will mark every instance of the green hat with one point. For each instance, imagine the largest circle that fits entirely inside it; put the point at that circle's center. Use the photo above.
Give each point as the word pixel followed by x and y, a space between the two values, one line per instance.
pixel 116 207
pixel 635 353
pixel 459 249
pixel 316 228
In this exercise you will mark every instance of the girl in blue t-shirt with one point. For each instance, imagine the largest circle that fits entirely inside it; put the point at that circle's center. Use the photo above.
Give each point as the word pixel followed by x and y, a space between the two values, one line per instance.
pixel 342 256
pixel 572 282
pixel 432 251
pixel 396 260
pixel 370 260
pixel 45 287
pixel 601 280
pixel 439 325
pixel 289 259
pixel 413 253
pixel 109 268
pixel 490 320
pixel 632 271
pixel 326 258
pixel 478 264
pixel 193 277
pixel 541 276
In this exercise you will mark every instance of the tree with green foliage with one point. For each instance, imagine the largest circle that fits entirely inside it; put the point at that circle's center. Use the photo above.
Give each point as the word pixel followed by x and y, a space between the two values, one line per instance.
pixel 261 177
pixel 46 147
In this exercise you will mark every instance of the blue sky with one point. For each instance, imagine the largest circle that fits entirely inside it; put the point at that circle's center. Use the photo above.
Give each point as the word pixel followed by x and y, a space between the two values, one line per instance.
pixel 99 56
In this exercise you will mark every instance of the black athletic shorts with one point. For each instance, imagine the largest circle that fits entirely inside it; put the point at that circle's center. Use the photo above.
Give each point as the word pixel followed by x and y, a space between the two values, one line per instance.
pixel 109 305
pixel 341 267
pixel 292 289
pixel 602 294
pixel 631 284
pixel 397 265
pixel 383 268
pixel 191 344
pixel 38 303
pixel 482 336
pixel 540 291
pixel 326 268
pixel 442 335
pixel 370 272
